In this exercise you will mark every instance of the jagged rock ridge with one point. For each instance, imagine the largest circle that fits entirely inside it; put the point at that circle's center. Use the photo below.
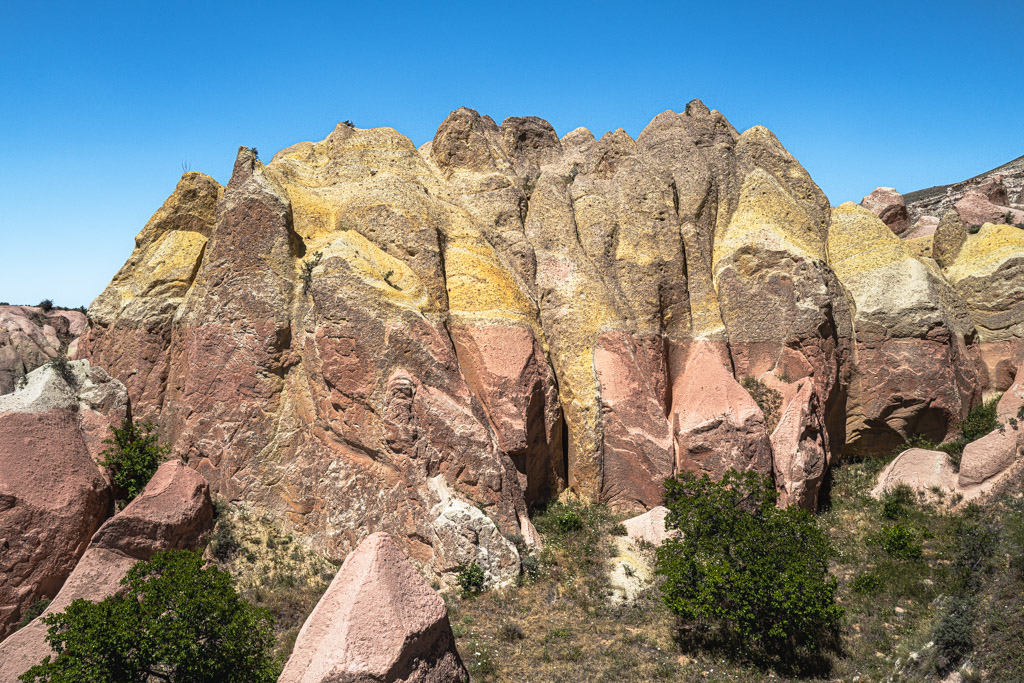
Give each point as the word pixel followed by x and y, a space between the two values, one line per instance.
pixel 363 336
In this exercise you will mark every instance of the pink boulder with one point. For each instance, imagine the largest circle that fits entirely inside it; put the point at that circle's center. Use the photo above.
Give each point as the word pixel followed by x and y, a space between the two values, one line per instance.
pixel 52 494
pixel 716 424
pixel 173 511
pixel 649 527
pixel 920 469
pixel 976 209
pixel 1012 401
pixel 378 621
pixel 888 204
pixel 989 456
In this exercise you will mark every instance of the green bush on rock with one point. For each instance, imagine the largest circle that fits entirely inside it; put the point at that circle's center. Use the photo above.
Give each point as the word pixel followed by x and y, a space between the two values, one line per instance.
pixel 132 456
pixel 746 576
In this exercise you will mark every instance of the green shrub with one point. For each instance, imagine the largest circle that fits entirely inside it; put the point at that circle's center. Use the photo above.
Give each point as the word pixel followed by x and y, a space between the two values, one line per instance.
pixel 768 400
pixel 62 367
pixel 896 501
pixel 567 519
pixel 954 633
pixel 980 420
pixel 973 541
pixel 46 305
pixel 866 583
pixel 471 578
pixel 37 608
pixel 173 621
pixel 307 271
pixel 745 574
pixel 899 541
pixel 133 455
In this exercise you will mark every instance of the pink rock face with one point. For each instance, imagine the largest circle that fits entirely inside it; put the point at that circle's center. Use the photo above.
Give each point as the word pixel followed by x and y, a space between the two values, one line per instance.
pixel 30 337
pixel 909 386
pixel 638 449
pixel 717 426
pixel 173 511
pixel 800 447
pixel 1012 400
pixel 994 190
pixel 919 469
pixel 888 204
pixel 506 369
pixel 52 495
pixel 925 226
pixel 649 527
pixel 378 621
pixel 977 209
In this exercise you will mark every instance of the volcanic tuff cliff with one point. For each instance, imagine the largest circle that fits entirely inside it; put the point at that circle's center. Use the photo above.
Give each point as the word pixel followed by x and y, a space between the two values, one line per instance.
pixel 362 335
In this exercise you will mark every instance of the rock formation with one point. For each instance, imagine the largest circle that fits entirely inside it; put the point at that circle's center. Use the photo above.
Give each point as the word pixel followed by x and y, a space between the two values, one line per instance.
pixel 378 621
pixel 31 336
pixel 888 205
pixel 363 336
pixel 52 494
pixel 173 511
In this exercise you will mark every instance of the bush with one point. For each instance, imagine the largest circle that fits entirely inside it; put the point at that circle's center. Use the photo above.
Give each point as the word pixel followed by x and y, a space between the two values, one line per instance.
pixel 866 583
pixel 173 621
pixel 895 504
pixel 471 578
pixel 980 420
pixel 746 574
pixel 768 400
pixel 62 367
pixel 974 540
pixel 46 305
pixel 954 633
pixel 37 608
pixel 898 541
pixel 132 456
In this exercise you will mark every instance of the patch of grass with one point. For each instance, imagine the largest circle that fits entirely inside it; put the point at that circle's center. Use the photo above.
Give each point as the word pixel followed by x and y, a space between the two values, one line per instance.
pixel 271 568
pixel 767 399
pixel 899 541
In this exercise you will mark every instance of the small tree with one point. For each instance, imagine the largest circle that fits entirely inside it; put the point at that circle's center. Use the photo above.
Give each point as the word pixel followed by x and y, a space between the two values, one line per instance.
pixel 133 455
pixel 746 576
pixel 174 621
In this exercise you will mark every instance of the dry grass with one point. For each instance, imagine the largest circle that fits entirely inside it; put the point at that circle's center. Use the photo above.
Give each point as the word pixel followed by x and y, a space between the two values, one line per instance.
pixel 272 569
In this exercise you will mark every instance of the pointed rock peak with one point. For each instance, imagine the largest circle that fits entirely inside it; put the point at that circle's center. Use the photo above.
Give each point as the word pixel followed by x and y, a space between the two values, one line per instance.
pixel 466 140
pixel 577 137
pixel 378 620
pixel 530 140
pixel 696 108
pixel 245 164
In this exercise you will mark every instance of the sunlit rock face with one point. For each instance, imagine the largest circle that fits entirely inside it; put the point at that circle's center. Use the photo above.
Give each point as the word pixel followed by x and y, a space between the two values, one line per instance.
pixel 362 336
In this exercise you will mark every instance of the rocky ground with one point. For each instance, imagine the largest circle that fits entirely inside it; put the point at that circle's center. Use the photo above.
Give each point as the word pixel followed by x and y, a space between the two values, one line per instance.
pixel 387 362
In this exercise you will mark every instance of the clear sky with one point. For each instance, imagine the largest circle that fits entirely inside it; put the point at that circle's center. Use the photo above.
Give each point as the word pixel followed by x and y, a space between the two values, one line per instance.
pixel 103 103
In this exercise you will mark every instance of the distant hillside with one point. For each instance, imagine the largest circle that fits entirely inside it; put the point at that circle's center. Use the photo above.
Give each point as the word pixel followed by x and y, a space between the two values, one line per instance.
pixel 934 201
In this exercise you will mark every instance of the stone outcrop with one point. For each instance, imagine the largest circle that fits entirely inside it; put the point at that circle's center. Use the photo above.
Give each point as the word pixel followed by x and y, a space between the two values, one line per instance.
pixel 174 510
pixel 31 336
pixel 648 527
pixel 976 209
pixel 1002 186
pixel 888 205
pixel 914 373
pixel 364 336
pixel 52 493
pixel 378 621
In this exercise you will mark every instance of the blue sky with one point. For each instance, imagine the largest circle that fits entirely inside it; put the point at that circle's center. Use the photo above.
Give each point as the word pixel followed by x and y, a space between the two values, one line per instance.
pixel 103 103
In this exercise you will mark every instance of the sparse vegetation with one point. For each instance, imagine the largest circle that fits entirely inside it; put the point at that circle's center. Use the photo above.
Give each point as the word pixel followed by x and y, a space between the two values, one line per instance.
pixel 387 278
pixel 767 399
pixel 307 271
pixel 62 367
pixel 133 455
pixel 471 578
pixel 272 569
pixel 34 610
pixel 46 305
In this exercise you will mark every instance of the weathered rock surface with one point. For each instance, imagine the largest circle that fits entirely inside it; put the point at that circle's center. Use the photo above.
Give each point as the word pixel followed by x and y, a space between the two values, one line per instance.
pixel 914 373
pixel 378 621
pixel 173 511
pixel 920 469
pixel 888 205
pixel 363 336
pixel 1002 186
pixel 30 337
pixel 976 209
pixel 52 494
pixel 648 527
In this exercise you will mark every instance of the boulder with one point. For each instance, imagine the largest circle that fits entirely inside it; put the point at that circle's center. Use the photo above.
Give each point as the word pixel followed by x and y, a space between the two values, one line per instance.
pixel 920 469
pixel 991 455
pixel 888 205
pixel 649 527
pixel 30 337
pixel 378 621
pixel 52 493
pixel 949 239
pixel 976 209
pixel 174 510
